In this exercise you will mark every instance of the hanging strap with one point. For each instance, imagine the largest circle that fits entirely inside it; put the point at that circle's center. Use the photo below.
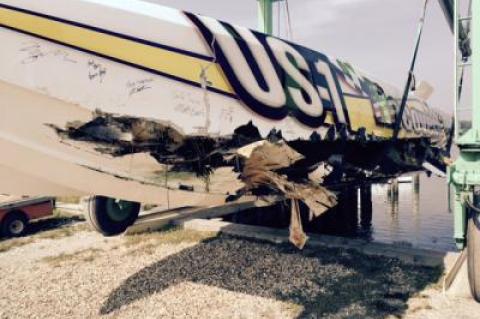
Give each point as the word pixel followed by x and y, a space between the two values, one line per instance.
pixel 399 117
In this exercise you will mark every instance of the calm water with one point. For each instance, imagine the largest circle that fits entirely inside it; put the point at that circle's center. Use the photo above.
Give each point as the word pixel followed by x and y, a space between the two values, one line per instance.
pixel 420 217
pixel 417 217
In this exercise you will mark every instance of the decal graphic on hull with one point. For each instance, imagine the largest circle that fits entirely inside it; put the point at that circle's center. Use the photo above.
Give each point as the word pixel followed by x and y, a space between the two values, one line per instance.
pixel 273 77
pixel 276 79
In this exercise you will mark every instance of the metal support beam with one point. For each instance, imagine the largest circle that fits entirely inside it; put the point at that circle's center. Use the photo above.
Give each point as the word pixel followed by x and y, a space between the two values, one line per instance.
pixel 476 67
pixel 265 16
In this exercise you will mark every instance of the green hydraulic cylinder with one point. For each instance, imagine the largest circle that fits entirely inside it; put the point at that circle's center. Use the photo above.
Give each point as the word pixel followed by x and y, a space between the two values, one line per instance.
pixel 464 174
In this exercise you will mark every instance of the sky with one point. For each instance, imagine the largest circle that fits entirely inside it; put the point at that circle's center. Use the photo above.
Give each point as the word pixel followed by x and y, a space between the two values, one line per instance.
pixel 376 36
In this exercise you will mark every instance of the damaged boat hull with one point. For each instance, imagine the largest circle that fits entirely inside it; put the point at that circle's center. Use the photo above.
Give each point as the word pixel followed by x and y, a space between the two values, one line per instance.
pixel 75 80
pixel 34 162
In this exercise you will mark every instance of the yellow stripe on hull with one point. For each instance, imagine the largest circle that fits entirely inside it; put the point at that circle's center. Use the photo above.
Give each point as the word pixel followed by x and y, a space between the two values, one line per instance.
pixel 162 60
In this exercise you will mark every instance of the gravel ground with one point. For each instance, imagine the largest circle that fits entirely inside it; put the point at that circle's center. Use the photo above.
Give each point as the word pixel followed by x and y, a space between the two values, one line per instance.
pixel 180 274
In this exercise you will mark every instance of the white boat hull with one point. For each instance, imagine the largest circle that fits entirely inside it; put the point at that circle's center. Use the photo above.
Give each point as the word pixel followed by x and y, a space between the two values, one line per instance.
pixel 60 64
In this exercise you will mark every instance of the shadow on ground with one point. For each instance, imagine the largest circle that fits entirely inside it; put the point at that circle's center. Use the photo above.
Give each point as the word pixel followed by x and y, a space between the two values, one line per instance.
pixel 47 224
pixel 328 283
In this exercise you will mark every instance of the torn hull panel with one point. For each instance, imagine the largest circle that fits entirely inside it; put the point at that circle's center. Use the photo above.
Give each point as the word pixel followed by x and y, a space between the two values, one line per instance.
pixel 34 151
pixel 138 159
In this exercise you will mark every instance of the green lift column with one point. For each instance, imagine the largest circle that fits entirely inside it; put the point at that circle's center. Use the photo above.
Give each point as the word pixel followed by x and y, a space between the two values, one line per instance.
pixel 265 16
pixel 464 175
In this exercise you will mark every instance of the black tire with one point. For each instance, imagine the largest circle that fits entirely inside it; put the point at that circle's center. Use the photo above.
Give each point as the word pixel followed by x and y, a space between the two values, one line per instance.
pixel 473 252
pixel 14 224
pixel 109 216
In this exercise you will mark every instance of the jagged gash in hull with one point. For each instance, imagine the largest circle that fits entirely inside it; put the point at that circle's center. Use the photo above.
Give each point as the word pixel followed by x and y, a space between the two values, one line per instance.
pixel 146 103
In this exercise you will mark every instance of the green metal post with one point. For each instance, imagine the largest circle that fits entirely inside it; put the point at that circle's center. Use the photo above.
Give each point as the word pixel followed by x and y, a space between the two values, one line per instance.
pixel 464 175
pixel 459 217
pixel 265 16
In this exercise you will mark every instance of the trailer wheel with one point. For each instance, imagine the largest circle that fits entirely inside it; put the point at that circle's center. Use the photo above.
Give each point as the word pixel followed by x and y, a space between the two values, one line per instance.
pixel 14 224
pixel 473 252
pixel 110 216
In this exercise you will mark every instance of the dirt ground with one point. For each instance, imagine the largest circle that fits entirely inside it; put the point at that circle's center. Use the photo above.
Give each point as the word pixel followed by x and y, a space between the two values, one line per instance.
pixel 71 272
